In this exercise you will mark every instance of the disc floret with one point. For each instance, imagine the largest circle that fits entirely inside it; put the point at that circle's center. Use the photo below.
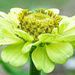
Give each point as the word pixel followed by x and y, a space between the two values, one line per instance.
pixel 39 22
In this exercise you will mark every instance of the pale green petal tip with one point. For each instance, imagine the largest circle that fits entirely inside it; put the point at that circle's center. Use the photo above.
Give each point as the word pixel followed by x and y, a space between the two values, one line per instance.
pixel 16 65
pixel 49 70
pixel 55 10
pixel 15 10
pixel 4 15
pixel 64 17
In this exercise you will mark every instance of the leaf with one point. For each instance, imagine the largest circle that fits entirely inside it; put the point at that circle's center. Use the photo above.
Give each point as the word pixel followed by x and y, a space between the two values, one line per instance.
pixel 58 52
pixel 41 60
pixel 23 34
pixel 13 55
pixel 13 71
pixel 48 37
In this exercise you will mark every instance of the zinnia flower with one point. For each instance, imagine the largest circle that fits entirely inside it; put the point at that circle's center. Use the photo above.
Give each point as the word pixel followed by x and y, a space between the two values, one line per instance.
pixel 50 37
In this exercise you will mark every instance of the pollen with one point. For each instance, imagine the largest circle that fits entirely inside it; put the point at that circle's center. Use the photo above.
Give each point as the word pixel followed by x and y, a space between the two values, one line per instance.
pixel 38 22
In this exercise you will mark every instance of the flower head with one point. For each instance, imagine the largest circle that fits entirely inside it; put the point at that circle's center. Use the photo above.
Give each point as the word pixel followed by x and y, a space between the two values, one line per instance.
pixel 51 35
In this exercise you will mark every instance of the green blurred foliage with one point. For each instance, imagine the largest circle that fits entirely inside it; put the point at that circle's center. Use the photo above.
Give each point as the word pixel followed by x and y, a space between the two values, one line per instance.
pixel 15 71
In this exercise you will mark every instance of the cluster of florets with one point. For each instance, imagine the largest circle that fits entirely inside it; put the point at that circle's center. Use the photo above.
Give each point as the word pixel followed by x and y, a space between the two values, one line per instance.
pixel 38 22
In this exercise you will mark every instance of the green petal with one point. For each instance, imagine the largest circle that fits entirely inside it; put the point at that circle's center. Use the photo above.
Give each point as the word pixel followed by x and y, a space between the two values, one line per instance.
pixel 13 55
pixel 8 38
pixel 71 23
pixel 26 48
pixel 55 31
pixel 4 24
pixel 15 10
pixel 64 17
pixel 68 36
pixel 58 52
pixel 13 19
pixel 13 15
pixel 41 60
pixel 23 34
pixel 4 15
pixel 73 44
pixel 63 25
pixel 55 10
pixel 48 37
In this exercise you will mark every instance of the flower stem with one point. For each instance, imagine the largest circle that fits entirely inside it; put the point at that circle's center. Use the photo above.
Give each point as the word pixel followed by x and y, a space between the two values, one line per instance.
pixel 33 70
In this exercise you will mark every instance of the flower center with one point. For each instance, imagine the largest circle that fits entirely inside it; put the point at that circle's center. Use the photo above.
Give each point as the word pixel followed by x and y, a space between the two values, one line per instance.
pixel 39 22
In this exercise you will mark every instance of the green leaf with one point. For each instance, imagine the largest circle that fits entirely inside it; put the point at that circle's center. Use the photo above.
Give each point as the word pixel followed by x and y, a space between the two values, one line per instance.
pixel 13 55
pixel 13 71
pixel 43 73
pixel 8 38
pixel 48 37
pixel 63 25
pixel 58 52
pixel 41 60
pixel 23 34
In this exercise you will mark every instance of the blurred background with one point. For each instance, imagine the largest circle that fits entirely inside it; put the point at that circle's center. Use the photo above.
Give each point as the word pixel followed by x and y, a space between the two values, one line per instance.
pixel 67 7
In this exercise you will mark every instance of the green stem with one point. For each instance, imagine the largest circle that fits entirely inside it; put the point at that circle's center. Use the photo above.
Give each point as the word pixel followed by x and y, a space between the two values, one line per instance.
pixel 33 70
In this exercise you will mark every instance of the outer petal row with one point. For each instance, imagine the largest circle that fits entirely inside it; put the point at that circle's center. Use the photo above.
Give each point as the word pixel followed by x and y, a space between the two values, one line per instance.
pixel 59 52
pixel 13 55
pixel 41 60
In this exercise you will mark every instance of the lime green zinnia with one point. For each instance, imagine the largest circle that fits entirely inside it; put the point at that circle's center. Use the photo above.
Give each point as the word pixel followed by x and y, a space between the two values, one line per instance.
pixel 52 35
